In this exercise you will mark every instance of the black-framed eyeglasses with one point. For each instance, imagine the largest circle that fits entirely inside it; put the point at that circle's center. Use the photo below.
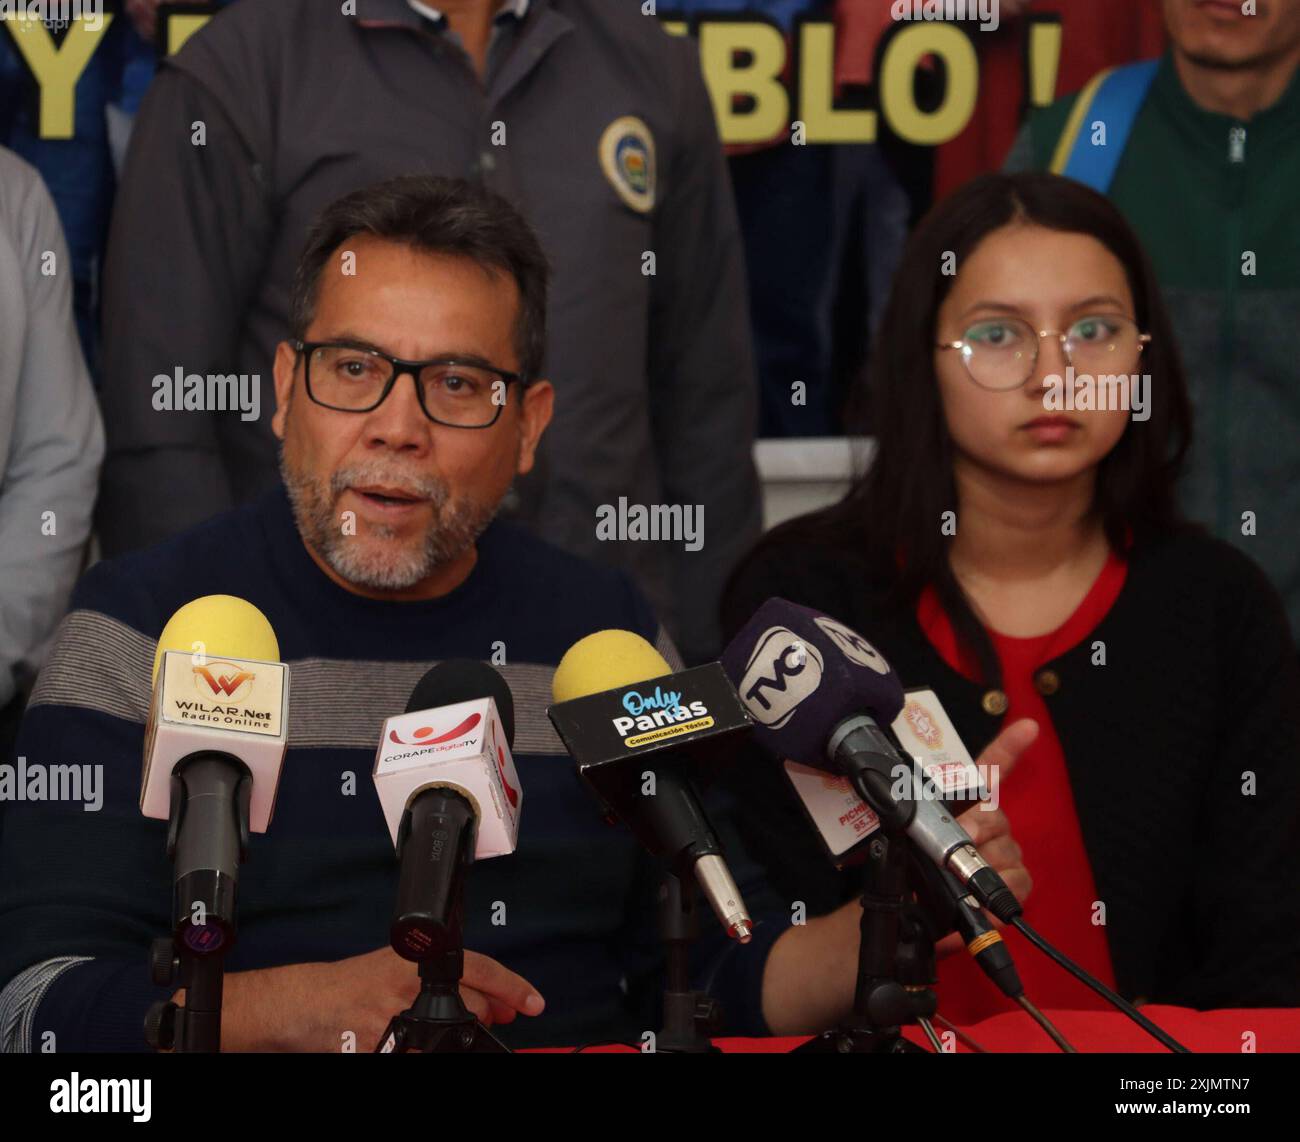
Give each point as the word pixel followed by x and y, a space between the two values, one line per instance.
pixel 355 378
pixel 1000 353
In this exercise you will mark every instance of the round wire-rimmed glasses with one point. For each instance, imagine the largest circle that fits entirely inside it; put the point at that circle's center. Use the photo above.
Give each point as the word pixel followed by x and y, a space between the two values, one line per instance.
pixel 1000 353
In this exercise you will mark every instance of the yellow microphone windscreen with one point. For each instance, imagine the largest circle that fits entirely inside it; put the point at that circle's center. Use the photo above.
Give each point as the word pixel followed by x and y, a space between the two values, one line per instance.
pixel 606 660
pixel 223 626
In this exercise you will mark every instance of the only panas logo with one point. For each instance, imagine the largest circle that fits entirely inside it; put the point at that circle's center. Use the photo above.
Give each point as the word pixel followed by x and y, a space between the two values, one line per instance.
pixel 223 680
pixel 656 710
pixel 782 671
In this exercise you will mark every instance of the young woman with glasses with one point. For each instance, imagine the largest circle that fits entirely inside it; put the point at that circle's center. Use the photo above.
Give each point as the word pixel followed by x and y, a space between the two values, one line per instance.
pixel 1016 545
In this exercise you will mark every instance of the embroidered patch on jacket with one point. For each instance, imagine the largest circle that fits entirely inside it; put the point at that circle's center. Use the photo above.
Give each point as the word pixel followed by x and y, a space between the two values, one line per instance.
pixel 627 156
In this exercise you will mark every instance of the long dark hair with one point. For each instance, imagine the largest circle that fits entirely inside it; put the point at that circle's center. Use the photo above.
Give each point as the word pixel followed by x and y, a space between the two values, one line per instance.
pixel 892 513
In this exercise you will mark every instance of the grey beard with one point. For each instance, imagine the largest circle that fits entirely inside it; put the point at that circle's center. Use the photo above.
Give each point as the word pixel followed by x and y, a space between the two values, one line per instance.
pixel 364 559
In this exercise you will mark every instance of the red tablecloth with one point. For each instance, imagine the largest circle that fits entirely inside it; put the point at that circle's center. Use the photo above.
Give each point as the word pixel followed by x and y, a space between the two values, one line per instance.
pixel 1273 1029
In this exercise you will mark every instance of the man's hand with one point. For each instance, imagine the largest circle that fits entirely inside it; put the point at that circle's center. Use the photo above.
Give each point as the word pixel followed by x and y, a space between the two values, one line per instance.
pixel 312 1007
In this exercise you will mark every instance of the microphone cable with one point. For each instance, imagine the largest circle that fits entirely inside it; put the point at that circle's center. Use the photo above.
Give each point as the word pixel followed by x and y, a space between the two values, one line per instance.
pixel 1117 1001
pixel 1046 1024
pixel 928 1028
pixel 986 945
pixel 983 942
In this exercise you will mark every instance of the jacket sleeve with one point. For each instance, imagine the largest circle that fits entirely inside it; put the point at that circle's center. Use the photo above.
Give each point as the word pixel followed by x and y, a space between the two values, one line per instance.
pixel 1248 905
pixel 189 232
pixel 57 439
pixel 701 365
pixel 84 877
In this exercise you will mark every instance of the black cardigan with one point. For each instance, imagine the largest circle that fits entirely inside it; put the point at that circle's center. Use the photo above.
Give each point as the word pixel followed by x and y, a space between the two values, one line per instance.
pixel 1200 684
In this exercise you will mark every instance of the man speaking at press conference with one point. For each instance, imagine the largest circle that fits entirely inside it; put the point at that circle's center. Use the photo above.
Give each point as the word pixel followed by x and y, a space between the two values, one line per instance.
pixel 408 401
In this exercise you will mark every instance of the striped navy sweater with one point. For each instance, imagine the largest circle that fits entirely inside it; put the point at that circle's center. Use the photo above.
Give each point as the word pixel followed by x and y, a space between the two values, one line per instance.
pixel 82 893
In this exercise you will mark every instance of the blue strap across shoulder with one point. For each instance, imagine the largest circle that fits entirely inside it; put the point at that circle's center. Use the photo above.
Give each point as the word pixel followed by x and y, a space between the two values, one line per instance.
pixel 1116 98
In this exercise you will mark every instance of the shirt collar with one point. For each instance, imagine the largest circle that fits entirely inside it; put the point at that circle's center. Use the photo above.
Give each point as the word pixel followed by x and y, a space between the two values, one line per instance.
pixel 404 13
pixel 516 9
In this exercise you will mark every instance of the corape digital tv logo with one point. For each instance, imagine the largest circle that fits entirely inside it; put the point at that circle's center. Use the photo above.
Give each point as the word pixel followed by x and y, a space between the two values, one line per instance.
pixel 225 680
pixel 422 737
pixel 853 645
pixel 781 672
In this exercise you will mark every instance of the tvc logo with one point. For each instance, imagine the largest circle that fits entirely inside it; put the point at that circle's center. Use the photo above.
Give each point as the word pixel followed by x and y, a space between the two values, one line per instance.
pixel 855 647
pixel 781 672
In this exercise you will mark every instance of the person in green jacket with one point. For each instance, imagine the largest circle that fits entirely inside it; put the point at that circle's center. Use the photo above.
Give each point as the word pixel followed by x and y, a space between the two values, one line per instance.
pixel 1201 151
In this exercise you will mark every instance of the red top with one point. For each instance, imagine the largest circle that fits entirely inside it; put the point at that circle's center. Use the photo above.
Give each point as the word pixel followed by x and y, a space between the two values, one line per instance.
pixel 1039 803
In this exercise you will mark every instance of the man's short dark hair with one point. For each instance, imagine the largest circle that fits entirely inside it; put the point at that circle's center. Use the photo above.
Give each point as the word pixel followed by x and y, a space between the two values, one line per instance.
pixel 435 215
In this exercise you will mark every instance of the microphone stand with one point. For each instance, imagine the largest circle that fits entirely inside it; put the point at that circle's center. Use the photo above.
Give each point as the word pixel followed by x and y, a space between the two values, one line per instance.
pixel 893 960
pixel 689 1016
pixel 196 1027
pixel 437 1022
pixel 207 832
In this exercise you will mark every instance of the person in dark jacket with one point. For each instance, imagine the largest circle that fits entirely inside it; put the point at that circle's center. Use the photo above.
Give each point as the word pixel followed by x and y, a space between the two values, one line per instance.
pixel 1016 545
pixel 589 118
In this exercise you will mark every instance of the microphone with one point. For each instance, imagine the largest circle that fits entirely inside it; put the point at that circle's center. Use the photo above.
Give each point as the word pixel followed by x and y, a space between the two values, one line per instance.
pixel 449 791
pixel 636 729
pixel 951 906
pixel 214 745
pixel 843 821
pixel 824 697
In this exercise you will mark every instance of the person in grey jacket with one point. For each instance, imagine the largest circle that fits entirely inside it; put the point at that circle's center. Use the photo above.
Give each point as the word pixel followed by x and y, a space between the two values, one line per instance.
pixel 586 115
pixel 51 435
